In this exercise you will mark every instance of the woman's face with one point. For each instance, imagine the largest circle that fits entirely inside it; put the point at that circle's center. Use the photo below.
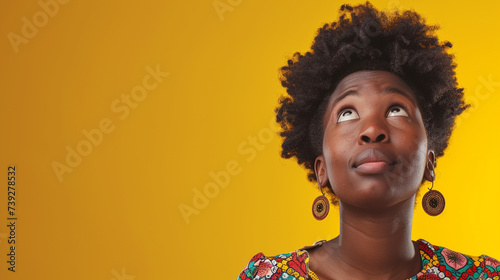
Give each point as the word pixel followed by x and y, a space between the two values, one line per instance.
pixel 375 143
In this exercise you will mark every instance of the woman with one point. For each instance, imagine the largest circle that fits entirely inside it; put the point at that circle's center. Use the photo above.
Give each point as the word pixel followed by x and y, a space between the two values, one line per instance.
pixel 370 109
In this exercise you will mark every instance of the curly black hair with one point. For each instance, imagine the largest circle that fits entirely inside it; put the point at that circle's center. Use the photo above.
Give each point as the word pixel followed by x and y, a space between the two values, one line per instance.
pixel 364 38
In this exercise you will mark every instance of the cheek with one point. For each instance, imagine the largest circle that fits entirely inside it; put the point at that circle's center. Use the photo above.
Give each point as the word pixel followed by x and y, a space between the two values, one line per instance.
pixel 410 136
pixel 335 147
pixel 413 145
pixel 336 151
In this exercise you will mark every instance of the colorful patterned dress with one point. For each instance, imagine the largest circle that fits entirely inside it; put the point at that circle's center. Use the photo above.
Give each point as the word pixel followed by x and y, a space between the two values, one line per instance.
pixel 437 262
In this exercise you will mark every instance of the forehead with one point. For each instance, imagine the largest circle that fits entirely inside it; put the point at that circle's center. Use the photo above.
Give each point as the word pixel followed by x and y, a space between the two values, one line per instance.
pixel 366 81
pixel 376 80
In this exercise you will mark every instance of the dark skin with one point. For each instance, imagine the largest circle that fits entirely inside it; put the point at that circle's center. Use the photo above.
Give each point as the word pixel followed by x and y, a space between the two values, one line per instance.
pixel 375 157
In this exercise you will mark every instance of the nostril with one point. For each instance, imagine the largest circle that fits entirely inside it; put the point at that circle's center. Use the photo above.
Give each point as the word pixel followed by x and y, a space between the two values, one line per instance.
pixel 381 137
pixel 366 139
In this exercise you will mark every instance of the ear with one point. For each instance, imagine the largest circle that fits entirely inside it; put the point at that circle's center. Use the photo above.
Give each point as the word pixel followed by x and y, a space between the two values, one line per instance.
pixel 429 167
pixel 320 170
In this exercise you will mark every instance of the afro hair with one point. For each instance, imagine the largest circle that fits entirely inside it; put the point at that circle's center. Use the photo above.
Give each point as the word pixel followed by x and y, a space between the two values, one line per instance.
pixel 364 38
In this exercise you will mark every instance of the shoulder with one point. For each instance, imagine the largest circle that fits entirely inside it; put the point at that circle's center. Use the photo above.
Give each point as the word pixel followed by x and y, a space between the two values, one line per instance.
pixel 449 264
pixel 290 266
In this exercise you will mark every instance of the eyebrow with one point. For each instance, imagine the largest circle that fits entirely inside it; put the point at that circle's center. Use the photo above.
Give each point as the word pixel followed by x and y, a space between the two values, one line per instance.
pixel 402 92
pixel 386 90
pixel 342 96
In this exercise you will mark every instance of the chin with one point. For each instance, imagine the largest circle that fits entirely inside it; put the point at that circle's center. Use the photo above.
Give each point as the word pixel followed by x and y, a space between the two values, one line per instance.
pixel 378 197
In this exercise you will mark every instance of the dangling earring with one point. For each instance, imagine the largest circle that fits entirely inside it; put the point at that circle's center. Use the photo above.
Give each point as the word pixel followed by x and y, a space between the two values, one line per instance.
pixel 321 206
pixel 433 201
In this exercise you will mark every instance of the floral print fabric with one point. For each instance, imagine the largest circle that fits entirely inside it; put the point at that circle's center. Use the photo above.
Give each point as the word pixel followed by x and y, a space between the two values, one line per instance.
pixel 290 266
pixel 437 263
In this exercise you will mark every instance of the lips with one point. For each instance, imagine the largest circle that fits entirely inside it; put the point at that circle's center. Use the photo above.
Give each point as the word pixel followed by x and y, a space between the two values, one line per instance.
pixel 373 161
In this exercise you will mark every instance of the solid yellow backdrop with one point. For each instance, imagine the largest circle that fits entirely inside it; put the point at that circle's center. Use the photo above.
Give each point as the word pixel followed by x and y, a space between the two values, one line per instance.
pixel 121 116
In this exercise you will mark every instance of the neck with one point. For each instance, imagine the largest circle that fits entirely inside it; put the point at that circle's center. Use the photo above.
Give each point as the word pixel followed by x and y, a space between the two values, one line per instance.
pixel 377 243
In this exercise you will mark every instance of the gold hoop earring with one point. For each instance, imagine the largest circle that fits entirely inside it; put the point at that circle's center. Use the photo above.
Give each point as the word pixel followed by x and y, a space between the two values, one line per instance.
pixel 433 201
pixel 321 206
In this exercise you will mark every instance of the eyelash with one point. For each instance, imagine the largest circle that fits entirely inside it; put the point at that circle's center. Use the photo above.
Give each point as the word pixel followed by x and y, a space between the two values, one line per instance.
pixel 395 104
pixel 341 110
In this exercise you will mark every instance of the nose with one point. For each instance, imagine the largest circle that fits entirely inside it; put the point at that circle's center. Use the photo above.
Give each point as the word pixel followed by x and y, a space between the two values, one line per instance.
pixel 373 132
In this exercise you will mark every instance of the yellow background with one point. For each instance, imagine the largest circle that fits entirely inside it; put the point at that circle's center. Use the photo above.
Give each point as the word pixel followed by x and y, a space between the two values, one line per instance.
pixel 116 215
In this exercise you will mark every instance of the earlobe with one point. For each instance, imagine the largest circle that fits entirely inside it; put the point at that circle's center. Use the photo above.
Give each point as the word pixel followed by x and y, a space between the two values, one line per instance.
pixel 429 166
pixel 320 170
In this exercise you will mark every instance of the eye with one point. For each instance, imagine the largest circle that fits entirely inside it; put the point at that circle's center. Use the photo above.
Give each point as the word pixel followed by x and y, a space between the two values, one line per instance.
pixel 347 115
pixel 397 111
